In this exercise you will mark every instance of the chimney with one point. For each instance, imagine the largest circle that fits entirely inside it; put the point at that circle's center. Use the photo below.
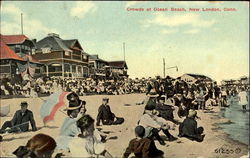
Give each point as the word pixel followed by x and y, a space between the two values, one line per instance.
pixel 54 35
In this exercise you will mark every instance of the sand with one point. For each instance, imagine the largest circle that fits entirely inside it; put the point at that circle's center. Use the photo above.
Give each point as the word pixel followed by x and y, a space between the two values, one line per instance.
pixel 121 134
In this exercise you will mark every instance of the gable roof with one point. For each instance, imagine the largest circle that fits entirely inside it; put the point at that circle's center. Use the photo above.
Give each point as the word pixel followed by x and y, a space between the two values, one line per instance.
pixel 96 57
pixel 14 39
pixel 71 43
pixel 119 64
pixel 57 44
pixel 199 76
pixel 53 42
pixel 7 53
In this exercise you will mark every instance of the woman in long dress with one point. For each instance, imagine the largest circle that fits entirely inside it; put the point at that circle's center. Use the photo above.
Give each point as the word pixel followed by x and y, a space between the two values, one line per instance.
pixel 68 129
pixel 88 143
pixel 243 99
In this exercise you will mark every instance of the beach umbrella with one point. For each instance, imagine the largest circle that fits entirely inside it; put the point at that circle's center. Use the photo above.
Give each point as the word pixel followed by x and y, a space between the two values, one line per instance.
pixel 52 104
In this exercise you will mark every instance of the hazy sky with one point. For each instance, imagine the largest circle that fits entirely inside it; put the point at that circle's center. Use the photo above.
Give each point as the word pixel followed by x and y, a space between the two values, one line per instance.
pixel 204 42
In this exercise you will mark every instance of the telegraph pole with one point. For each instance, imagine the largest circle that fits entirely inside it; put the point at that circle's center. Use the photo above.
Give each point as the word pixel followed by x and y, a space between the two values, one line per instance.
pixel 124 51
pixel 164 71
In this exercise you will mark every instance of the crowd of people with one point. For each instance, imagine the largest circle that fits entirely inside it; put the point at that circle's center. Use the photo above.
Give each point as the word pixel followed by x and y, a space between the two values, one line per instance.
pixel 88 86
pixel 164 97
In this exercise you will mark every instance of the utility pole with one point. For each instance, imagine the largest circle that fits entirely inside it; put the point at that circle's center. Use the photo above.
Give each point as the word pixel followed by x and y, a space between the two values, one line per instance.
pixel 124 51
pixel 164 71
pixel 22 23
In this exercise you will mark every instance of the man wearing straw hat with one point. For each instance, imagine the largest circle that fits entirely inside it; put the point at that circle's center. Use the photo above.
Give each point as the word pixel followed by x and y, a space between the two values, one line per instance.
pixel 188 128
pixel 20 121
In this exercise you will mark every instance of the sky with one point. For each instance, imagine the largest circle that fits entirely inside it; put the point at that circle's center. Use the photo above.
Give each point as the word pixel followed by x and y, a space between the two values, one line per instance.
pixel 212 43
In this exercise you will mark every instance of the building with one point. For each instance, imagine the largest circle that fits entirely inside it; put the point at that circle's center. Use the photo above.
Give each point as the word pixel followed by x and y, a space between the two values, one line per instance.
pixel 118 69
pixel 62 58
pixel 98 68
pixel 238 82
pixel 192 78
pixel 9 61
pixel 16 53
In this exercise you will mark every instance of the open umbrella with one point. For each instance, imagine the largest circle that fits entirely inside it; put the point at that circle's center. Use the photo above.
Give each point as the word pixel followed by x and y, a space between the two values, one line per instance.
pixel 52 104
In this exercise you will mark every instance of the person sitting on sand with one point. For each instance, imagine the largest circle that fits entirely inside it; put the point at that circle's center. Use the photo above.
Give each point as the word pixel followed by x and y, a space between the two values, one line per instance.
pixel 153 124
pixel 188 128
pixel 22 117
pixel 88 143
pixel 142 147
pixel 40 145
pixel 106 116
pixel 69 128
pixel 165 111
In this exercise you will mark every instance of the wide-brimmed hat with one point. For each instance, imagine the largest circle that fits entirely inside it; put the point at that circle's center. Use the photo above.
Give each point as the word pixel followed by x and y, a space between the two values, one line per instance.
pixel 74 105
pixel 192 113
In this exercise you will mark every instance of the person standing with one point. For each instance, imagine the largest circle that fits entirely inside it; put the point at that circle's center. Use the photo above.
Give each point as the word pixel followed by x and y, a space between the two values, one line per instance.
pixel 243 99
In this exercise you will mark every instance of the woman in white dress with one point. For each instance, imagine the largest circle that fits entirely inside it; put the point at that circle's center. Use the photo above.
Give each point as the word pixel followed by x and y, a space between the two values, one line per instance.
pixel 88 143
pixel 243 99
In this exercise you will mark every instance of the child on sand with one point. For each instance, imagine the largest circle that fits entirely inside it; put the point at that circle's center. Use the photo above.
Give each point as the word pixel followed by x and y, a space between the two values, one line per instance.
pixel 142 147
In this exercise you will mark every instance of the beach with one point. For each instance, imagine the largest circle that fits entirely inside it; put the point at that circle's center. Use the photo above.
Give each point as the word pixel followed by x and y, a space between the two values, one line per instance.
pixel 216 142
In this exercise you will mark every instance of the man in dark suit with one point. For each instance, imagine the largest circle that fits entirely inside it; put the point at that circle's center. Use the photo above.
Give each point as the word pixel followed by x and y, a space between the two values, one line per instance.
pixel 106 116
pixel 22 118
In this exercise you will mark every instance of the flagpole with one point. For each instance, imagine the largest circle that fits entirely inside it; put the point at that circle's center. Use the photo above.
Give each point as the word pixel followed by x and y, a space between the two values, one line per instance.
pixel 21 23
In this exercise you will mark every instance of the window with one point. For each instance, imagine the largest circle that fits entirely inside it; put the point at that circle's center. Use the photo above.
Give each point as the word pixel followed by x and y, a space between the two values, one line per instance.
pixel 73 68
pixel 33 51
pixel 67 53
pixel 46 50
pixel 17 49
pixel 66 68
pixel 55 67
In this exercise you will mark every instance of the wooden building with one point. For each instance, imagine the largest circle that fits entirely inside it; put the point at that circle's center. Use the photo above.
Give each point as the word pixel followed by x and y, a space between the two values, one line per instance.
pixel 62 58
pixel 98 67
pixel 16 52
pixel 118 69
pixel 192 78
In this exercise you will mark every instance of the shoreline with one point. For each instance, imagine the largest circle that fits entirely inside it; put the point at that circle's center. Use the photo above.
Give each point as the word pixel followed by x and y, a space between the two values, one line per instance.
pixel 215 138
pixel 218 128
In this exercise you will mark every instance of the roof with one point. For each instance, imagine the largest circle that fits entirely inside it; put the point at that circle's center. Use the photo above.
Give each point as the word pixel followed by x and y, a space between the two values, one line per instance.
pixel 31 59
pixel 119 64
pixel 7 53
pixel 199 76
pixel 96 57
pixel 71 43
pixel 13 39
pixel 53 42
pixel 58 44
